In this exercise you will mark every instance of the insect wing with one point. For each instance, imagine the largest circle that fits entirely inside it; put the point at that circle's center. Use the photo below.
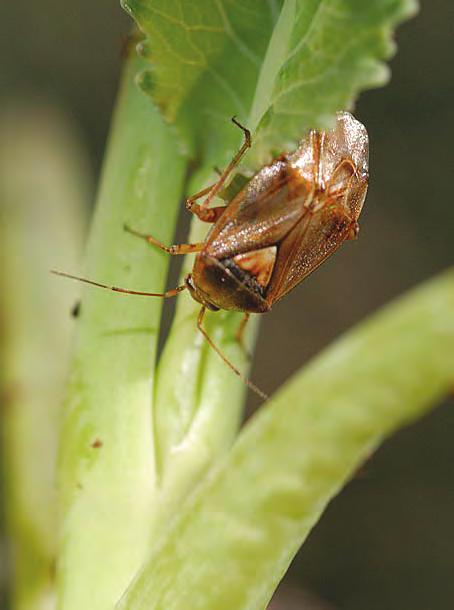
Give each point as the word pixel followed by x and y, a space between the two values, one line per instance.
pixel 261 214
pixel 325 151
pixel 315 238
pixel 296 212
pixel 337 161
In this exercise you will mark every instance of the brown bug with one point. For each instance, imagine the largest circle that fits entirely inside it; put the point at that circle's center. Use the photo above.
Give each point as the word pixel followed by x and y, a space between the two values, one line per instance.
pixel 281 225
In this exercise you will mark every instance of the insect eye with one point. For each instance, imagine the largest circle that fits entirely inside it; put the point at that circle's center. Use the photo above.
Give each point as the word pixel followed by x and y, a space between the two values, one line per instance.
pixel 189 282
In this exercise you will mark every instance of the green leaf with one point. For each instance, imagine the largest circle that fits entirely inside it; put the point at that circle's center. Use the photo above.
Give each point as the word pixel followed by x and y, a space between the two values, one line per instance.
pixel 234 539
pixel 335 51
pixel 280 67
pixel 205 59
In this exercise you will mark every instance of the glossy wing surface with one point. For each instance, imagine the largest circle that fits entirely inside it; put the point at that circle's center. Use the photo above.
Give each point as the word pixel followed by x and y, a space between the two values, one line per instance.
pixel 262 214
pixel 320 154
pixel 311 241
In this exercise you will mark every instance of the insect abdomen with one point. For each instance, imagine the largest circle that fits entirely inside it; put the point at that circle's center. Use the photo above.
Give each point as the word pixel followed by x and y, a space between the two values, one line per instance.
pixel 224 284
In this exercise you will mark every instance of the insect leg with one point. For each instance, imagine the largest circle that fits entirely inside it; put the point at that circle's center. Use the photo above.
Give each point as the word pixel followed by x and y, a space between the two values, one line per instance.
pixel 202 210
pixel 233 163
pixel 239 335
pixel 164 295
pixel 204 214
pixel 245 380
pixel 175 249
pixel 353 230
pixel 317 141
pixel 230 167
pixel 344 163
pixel 345 190
pixel 198 195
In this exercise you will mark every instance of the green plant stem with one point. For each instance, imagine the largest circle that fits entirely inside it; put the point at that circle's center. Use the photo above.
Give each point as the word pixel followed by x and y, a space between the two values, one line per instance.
pixel 107 460
pixel 43 196
pixel 234 540
pixel 199 400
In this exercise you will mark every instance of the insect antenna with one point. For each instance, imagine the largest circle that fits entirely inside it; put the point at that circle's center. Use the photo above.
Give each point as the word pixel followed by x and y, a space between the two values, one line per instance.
pixel 164 295
pixel 168 294
pixel 210 342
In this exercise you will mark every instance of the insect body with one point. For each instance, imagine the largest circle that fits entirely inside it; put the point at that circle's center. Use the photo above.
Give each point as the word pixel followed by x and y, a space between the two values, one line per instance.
pixel 287 219
pixel 285 222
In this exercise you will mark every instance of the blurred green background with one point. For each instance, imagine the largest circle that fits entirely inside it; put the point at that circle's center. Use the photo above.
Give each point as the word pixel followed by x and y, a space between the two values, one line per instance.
pixel 386 542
